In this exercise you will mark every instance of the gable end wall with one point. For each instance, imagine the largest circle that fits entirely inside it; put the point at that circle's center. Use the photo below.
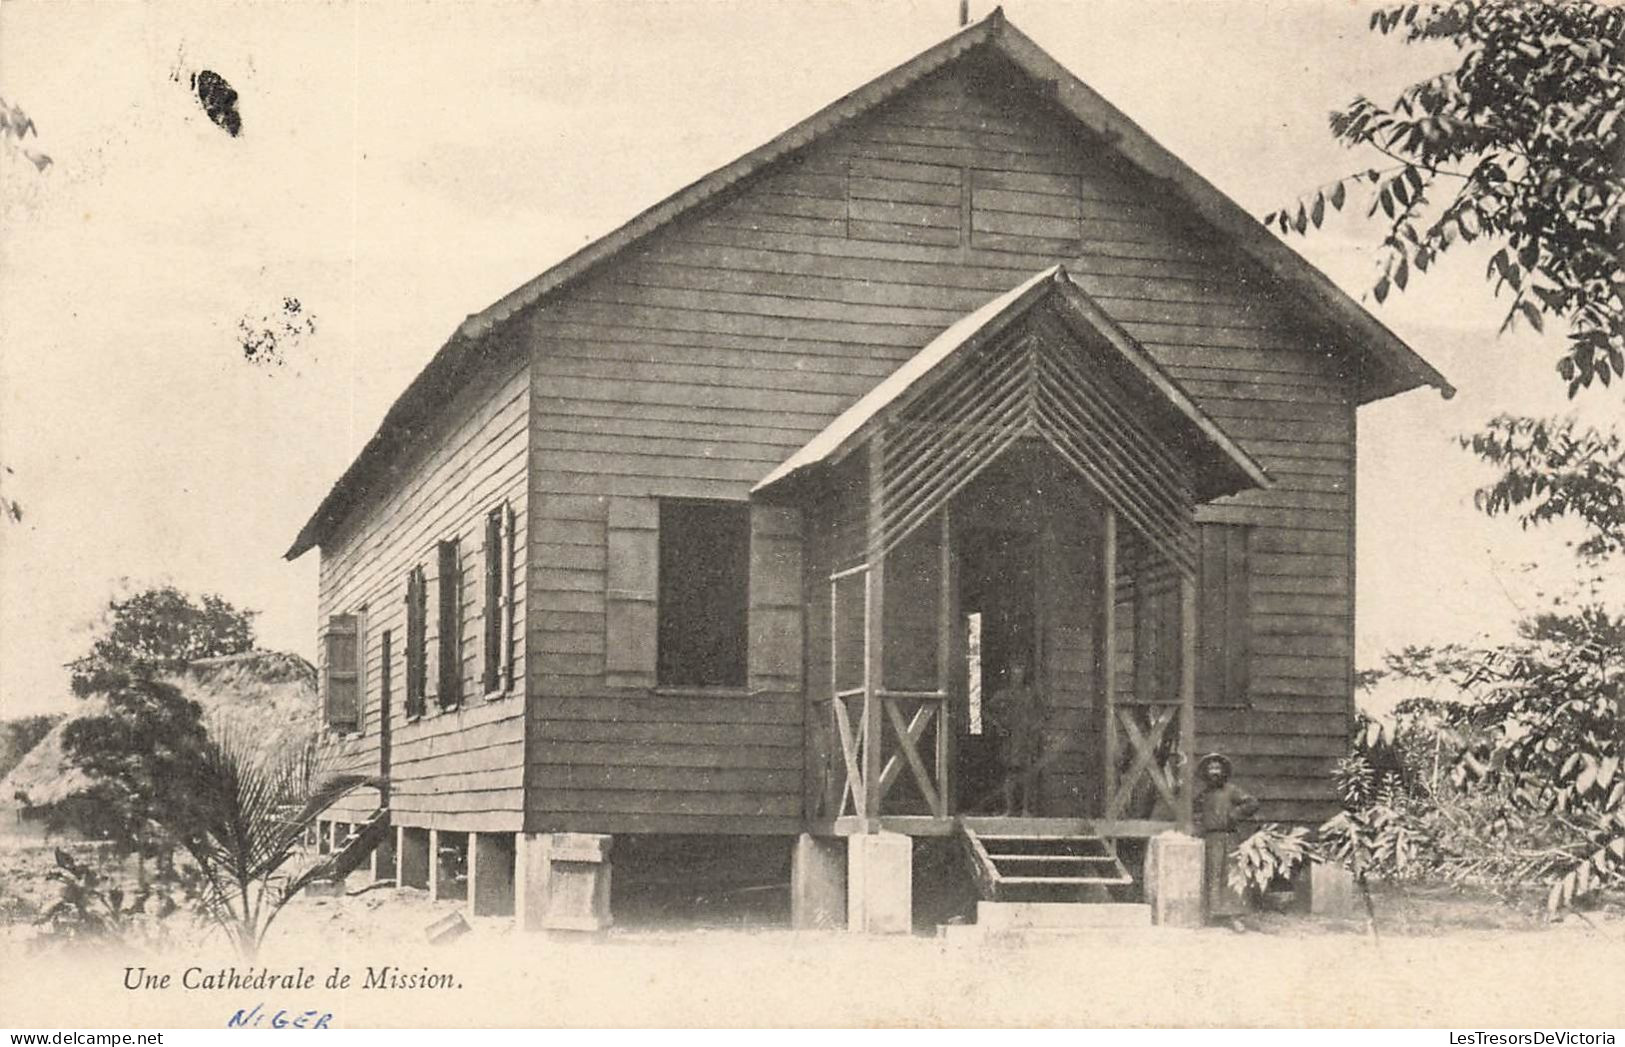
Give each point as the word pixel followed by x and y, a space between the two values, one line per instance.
pixel 700 359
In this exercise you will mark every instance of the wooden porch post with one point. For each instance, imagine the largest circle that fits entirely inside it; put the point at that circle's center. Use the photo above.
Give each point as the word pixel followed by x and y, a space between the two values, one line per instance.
pixel 947 620
pixel 874 639
pixel 1187 698
pixel 1108 658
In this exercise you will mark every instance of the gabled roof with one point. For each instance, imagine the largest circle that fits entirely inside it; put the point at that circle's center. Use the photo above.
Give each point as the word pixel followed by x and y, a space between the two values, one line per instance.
pixel 1396 366
pixel 1229 468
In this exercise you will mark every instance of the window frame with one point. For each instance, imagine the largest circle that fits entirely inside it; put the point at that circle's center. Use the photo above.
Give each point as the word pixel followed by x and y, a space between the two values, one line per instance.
pixel 1236 665
pixel 357 674
pixel 449 623
pixel 417 643
pixel 386 673
pixel 497 600
pixel 738 681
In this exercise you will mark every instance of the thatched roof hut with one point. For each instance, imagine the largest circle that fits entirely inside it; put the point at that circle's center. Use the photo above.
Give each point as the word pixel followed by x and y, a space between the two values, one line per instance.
pixel 272 693
pixel 46 776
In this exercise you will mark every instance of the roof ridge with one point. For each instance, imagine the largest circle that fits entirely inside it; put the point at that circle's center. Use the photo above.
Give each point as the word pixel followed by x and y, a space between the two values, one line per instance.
pixel 1404 368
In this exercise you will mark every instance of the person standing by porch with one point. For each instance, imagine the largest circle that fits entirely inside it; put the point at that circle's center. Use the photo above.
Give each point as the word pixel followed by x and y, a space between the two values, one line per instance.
pixel 1220 808
pixel 1017 723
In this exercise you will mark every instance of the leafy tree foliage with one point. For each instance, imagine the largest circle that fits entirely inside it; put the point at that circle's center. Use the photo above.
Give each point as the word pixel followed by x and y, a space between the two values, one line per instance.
pixel 141 749
pixel 141 752
pixel 1520 145
pixel 1515 780
pixel 159 630
pixel 1552 469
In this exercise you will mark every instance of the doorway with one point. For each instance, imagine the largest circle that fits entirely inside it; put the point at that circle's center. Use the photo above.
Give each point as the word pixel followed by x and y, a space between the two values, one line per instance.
pixel 998 622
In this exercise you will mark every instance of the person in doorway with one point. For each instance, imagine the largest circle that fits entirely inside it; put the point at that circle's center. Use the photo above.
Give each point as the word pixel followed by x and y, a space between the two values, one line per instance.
pixel 1017 722
pixel 1220 808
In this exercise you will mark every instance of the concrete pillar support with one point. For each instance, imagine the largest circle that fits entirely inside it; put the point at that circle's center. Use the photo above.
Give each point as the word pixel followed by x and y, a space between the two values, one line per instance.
pixel 563 881
pixel 530 875
pixel 1173 879
pixel 880 883
pixel 490 874
pixel 818 882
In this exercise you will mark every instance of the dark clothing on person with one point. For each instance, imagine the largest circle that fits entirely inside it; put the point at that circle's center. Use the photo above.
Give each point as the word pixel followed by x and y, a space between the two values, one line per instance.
pixel 1219 808
pixel 1017 726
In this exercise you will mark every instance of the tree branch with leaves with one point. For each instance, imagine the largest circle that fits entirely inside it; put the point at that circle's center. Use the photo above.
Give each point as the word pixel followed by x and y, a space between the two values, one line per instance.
pixel 1519 145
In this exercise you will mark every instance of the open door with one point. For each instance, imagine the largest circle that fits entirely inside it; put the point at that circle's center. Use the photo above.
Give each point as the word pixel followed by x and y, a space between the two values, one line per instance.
pixel 998 623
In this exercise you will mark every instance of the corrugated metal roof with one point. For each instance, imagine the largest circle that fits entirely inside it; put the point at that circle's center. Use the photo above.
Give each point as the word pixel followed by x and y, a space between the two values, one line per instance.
pixel 1401 367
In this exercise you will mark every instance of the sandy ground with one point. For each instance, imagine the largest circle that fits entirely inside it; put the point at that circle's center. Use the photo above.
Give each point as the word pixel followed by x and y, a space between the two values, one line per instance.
pixel 1439 960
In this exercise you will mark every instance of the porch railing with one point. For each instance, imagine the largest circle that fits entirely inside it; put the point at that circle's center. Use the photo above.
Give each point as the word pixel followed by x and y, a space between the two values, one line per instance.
pixel 913 735
pixel 1145 759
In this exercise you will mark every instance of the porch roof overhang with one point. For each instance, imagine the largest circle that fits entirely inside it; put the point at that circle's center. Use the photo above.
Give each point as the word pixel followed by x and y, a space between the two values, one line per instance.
pixel 1220 466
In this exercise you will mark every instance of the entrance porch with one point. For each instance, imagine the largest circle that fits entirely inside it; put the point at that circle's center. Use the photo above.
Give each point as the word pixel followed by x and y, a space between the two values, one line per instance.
pixel 1000 568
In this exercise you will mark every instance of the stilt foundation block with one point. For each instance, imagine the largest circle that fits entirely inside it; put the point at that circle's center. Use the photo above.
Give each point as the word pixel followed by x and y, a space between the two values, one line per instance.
pixel 879 883
pixel 818 882
pixel 1173 880
pixel 563 881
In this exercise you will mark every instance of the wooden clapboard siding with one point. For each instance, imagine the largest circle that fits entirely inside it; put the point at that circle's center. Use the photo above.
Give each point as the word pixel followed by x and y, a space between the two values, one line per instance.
pixel 459 769
pixel 700 358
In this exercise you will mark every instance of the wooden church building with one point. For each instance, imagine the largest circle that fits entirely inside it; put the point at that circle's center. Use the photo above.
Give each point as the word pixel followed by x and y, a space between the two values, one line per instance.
pixel 750 518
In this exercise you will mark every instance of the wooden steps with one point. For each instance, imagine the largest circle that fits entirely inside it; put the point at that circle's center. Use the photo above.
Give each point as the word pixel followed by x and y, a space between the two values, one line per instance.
pixel 1044 867
pixel 1035 883
pixel 353 853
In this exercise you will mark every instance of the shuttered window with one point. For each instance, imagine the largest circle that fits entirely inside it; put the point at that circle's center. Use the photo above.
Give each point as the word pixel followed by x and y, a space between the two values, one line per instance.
pixel 775 599
pixel 1223 635
pixel 417 641
pixel 704 594
pixel 449 620
pixel 631 578
pixel 493 616
pixel 343 672
pixel 386 676
pixel 510 581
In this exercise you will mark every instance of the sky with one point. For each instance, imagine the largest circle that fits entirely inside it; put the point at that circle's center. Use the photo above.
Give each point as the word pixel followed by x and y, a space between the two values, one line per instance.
pixel 403 165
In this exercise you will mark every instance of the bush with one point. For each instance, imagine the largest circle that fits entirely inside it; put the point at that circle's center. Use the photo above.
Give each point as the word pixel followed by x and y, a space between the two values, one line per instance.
pixel 90 907
pixel 1514 782
pixel 1270 855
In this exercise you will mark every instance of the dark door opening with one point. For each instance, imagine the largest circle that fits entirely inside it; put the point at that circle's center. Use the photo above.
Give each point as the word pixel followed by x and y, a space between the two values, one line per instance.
pixel 999 624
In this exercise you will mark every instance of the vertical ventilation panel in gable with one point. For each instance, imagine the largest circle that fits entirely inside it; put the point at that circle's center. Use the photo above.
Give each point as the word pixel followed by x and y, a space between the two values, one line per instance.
pixel 901 202
pixel 1025 211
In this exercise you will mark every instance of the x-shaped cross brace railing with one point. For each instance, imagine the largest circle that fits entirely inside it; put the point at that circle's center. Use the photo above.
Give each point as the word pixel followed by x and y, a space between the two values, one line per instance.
pixel 1144 745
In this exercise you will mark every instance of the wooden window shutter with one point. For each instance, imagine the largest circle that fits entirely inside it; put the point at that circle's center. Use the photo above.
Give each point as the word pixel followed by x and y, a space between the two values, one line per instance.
pixel 386 676
pixel 1223 632
pixel 449 623
pixel 775 598
pixel 510 585
pixel 431 637
pixel 631 585
pixel 417 604
pixel 343 674
pixel 492 613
